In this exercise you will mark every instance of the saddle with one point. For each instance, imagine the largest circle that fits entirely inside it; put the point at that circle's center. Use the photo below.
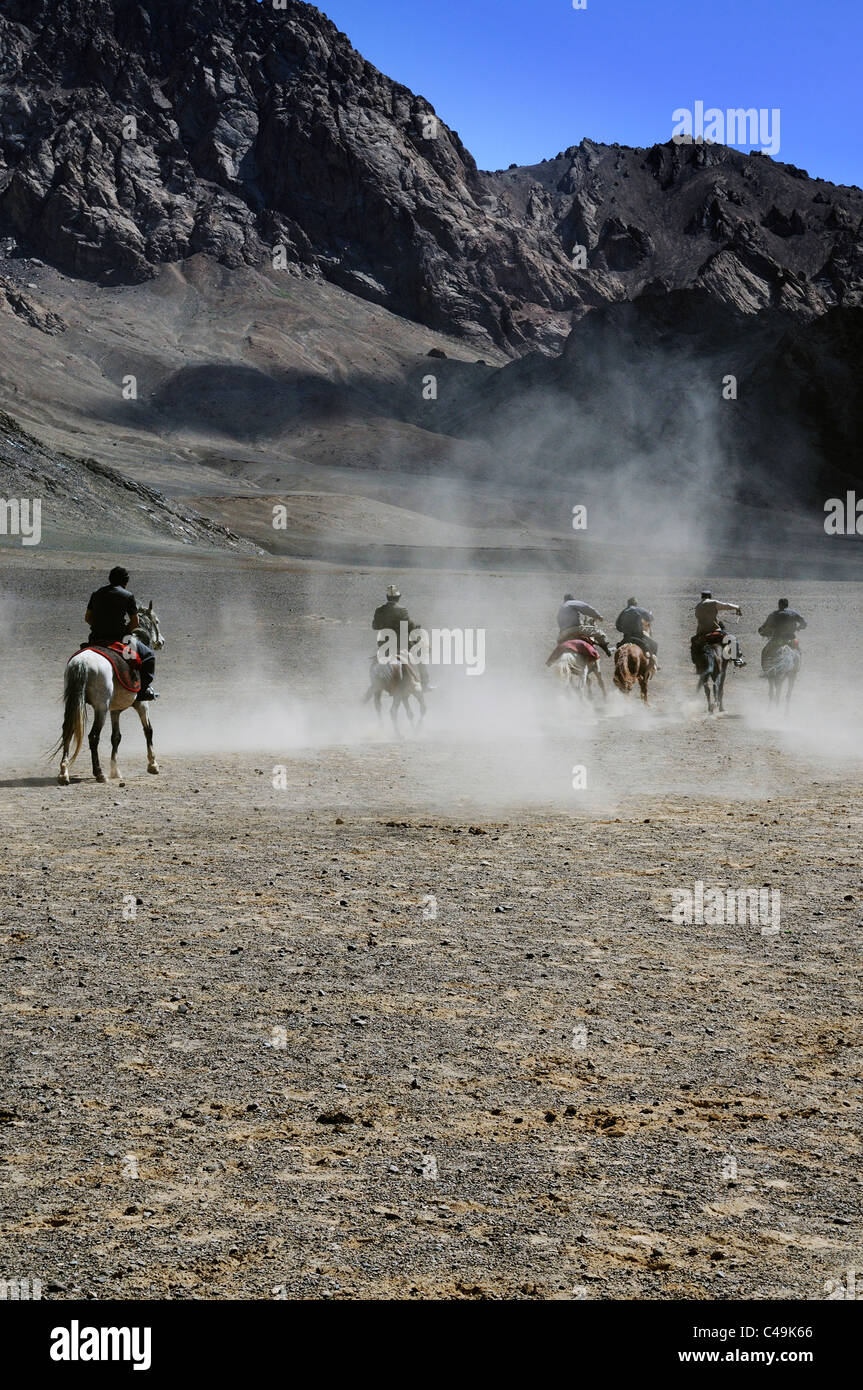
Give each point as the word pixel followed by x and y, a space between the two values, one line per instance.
pixel 125 660
pixel 578 645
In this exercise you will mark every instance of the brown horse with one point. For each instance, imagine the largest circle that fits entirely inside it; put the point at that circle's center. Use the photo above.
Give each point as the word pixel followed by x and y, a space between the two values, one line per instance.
pixel 632 666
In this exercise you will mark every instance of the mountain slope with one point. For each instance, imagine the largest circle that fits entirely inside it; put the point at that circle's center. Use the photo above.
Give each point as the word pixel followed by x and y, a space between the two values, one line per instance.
pixel 88 505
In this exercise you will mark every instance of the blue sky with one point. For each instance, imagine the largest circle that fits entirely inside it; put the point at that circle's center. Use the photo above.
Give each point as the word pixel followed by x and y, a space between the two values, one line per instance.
pixel 521 79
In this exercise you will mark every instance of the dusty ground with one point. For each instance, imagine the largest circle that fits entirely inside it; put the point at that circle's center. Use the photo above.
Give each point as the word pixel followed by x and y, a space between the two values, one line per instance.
pixel 292 1074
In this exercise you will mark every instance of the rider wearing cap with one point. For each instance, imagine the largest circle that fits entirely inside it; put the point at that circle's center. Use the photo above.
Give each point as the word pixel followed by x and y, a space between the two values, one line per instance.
pixel 707 612
pixel 388 619
pixel 389 616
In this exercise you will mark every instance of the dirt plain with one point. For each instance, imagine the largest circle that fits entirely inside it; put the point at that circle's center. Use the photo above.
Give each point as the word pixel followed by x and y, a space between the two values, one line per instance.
pixel 409 1017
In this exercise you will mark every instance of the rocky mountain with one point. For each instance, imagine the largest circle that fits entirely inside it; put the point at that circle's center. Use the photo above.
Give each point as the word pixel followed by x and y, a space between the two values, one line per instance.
pixel 139 132
pixel 224 202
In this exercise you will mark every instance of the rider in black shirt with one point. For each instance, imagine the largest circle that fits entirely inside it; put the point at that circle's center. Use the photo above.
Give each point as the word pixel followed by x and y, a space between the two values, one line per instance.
pixel 631 623
pixel 113 616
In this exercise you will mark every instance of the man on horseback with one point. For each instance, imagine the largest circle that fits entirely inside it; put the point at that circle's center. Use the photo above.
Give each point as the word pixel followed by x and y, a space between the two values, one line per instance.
pixel 631 622
pixel 388 619
pixel 780 628
pixel 112 614
pixel 577 619
pixel 707 612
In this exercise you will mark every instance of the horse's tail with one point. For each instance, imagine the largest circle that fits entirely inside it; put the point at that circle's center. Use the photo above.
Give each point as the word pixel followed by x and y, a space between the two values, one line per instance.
pixel 565 668
pixel 786 661
pixel 712 663
pixel 625 669
pixel 74 709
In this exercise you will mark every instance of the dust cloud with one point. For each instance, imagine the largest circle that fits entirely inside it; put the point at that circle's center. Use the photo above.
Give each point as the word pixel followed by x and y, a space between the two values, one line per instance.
pixel 272 664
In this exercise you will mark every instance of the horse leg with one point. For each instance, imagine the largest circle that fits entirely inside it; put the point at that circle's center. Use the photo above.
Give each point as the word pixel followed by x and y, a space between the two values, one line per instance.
pixel 642 681
pixel 75 685
pixel 63 774
pixel 143 715
pixel 600 681
pixel 720 685
pixel 711 673
pixel 99 714
pixel 789 686
pixel 115 742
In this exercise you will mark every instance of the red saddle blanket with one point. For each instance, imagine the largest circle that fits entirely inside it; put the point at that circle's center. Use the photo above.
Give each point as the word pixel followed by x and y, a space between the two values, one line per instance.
pixel 578 645
pixel 125 661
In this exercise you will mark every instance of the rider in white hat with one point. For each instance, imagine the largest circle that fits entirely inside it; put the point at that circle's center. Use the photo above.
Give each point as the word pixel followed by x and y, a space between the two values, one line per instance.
pixel 389 618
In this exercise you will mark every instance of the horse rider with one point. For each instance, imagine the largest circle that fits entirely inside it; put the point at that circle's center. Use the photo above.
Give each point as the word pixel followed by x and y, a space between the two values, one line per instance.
pixel 707 612
pixel 780 628
pixel 388 619
pixel 630 622
pixel 577 619
pixel 112 615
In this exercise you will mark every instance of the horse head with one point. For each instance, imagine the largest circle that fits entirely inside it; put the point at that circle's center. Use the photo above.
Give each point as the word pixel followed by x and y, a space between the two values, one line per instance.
pixel 148 624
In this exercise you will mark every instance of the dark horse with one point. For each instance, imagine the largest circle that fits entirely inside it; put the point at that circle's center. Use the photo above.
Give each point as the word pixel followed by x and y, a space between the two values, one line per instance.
pixel 712 659
pixel 781 667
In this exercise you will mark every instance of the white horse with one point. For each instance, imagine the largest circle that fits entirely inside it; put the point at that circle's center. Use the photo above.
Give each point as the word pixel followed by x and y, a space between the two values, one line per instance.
pixel 90 681
pixel 401 681
pixel 578 674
